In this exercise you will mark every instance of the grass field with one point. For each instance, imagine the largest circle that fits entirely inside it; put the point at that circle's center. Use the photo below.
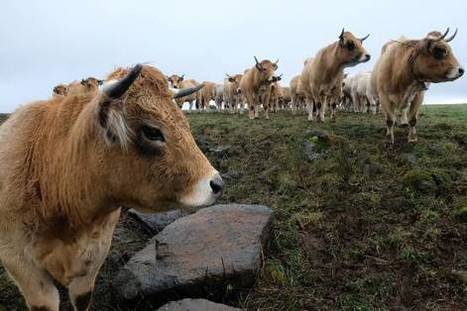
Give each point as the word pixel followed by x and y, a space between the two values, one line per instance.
pixel 359 227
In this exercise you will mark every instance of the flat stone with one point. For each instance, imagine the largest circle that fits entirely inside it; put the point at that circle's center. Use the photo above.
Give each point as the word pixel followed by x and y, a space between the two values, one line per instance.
pixel 195 305
pixel 155 222
pixel 216 244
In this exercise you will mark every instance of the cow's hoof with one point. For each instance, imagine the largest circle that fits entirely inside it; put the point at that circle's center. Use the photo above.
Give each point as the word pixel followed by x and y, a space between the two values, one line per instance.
pixel 413 140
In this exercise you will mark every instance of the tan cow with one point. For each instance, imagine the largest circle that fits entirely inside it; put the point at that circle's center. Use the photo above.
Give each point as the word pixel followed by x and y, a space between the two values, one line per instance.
pixel 322 76
pixel 297 94
pixel 207 94
pixel 232 92
pixel 284 98
pixel 179 82
pixel 66 167
pixel 403 71
pixel 255 86
pixel 60 90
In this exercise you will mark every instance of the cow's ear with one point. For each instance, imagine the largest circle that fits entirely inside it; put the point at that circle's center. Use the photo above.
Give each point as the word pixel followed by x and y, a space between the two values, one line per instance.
pixel 111 111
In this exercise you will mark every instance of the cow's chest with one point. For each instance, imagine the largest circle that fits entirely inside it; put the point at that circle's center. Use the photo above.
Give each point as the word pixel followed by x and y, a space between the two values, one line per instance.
pixel 69 258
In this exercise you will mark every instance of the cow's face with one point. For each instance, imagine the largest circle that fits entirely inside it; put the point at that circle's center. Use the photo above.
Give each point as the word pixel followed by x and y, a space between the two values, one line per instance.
pixel 436 61
pixel 350 50
pixel 175 81
pixel 235 80
pixel 156 163
pixel 266 68
pixel 91 84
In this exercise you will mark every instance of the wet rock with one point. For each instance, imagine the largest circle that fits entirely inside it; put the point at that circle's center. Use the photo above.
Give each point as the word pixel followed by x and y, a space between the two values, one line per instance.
pixel 195 305
pixel 215 245
pixel 155 222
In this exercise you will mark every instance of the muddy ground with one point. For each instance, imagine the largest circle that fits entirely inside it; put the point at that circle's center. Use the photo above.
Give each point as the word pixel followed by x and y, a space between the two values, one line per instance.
pixel 358 227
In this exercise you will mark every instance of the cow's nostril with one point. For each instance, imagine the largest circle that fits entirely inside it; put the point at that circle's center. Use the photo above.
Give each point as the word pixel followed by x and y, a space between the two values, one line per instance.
pixel 217 184
pixel 368 56
pixel 461 71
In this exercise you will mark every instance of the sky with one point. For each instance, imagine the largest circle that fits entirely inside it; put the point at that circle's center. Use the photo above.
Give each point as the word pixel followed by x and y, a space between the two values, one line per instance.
pixel 48 42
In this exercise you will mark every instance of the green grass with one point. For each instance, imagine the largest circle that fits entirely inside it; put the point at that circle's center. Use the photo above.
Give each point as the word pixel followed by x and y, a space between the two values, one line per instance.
pixel 361 227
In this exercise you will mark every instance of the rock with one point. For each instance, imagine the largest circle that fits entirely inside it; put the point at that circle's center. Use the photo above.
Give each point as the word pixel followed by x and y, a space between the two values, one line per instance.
pixel 195 305
pixel 313 151
pixel 218 244
pixel 155 222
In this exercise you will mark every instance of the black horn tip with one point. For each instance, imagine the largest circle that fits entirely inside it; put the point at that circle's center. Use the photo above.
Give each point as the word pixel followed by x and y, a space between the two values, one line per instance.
pixel 120 87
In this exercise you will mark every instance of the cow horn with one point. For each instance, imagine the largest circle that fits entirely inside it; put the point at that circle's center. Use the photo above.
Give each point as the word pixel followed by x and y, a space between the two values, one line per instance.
pixel 228 76
pixel 182 76
pixel 452 37
pixel 364 38
pixel 188 91
pixel 341 36
pixel 258 65
pixel 100 82
pixel 277 61
pixel 119 88
pixel 443 36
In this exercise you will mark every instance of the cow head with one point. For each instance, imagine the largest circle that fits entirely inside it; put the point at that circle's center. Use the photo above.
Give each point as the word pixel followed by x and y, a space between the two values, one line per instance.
pixel 434 60
pixel 91 83
pixel 235 80
pixel 175 81
pixel 152 161
pixel 350 50
pixel 266 68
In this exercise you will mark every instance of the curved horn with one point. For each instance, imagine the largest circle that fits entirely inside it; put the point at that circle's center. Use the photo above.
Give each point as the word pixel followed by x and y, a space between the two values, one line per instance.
pixel 119 88
pixel 258 64
pixel 182 76
pixel 452 37
pixel 364 38
pixel 443 36
pixel 341 36
pixel 277 61
pixel 187 91
pixel 228 76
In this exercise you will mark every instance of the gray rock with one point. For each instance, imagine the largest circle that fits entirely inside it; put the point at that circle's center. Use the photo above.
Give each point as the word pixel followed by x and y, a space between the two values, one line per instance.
pixel 195 305
pixel 216 244
pixel 312 151
pixel 155 222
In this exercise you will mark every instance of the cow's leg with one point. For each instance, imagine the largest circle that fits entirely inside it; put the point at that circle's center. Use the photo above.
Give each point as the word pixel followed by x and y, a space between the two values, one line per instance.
pixel 251 106
pixel 333 105
pixel 404 121
pixel 390 117
pixel 413 116
pixel 322 109
pixel 309 107
pixel 35 284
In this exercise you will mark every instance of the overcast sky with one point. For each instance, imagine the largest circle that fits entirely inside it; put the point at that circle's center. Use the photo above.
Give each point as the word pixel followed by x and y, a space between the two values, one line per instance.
pixel 44 43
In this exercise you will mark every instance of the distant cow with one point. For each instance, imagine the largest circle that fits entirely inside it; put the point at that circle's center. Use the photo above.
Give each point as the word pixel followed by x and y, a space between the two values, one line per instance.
pixel 60 90
pixel 284 97
pixel 322 77
pixel 232 92
pixel 219 95
pixel 207 94
pixel 179 82
pixel 255 86
pixel 297 94
pixel 402 72
pixel 66 167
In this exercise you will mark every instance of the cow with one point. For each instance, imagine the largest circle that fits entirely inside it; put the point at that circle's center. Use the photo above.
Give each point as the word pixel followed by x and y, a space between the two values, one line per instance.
pixel 255 86
pixel 66 167
pixel 219 95
pixel 363 96
pixel 322 76
pixel 205 95
pixel 402 74
pixel 284 97
pixel 297 94
pixel 347 101
pixel 179 82
pixel 232 92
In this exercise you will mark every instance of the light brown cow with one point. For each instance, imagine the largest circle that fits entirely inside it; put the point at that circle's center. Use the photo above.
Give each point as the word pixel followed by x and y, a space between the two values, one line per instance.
pixel 207 94
pixel 60 90
pixel 179 82
pixel 297 94
pixel 284 98
pixel 322 76
pixel 66 167
pixel 232 92
pixel 401 75
pixel 255 86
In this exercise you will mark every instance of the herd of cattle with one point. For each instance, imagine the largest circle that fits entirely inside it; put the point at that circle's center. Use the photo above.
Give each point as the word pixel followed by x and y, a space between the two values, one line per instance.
pixel 395 86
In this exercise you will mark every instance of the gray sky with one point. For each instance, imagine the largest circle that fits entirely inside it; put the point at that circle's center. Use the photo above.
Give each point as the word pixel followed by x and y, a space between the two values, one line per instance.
pixel 44 43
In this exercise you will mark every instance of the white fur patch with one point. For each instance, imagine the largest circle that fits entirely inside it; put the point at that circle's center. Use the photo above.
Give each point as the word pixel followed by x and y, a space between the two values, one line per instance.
pixel 117 126
pixel 202 193
pixel 454 73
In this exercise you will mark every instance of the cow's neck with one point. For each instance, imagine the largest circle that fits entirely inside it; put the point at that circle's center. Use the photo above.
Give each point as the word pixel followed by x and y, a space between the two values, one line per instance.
pixel 408 81
pixel 329 60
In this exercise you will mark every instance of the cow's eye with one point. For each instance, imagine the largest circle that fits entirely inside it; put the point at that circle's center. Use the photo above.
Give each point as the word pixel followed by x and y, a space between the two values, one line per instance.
pixel 350 46
pixel 439 53
pixel 153 134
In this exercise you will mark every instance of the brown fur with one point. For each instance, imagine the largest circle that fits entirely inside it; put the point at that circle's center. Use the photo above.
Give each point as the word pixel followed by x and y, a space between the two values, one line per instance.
pixel 322 76
pixel 297 94
pixel 62 180
pixel 232 92
pixel 401 75
pixel 206 94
